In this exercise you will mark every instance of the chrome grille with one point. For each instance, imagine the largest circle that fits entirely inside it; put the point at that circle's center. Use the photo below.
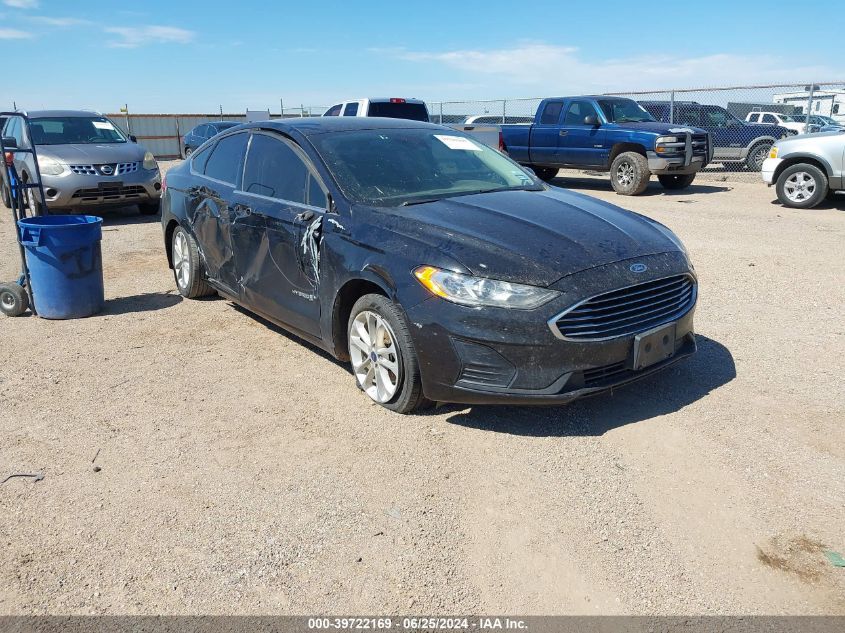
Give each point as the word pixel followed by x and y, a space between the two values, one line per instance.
pixel 627 311
pixel 84 170
pixel 117 169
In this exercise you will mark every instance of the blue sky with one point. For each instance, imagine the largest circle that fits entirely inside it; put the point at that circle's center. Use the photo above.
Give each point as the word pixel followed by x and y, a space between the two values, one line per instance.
pixel 186 56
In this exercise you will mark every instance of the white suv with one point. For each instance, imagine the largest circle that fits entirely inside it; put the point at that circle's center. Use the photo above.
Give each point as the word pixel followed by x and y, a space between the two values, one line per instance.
pixel 392 107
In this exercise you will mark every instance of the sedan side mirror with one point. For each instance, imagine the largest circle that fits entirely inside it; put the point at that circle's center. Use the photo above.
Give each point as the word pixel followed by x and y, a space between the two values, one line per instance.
pixel 591 120
pixel 10 142
pixel 133 138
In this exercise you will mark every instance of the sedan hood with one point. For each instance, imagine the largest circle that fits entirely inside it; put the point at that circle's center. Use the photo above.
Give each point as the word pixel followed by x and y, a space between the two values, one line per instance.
pixel 93 154
pixel 530 237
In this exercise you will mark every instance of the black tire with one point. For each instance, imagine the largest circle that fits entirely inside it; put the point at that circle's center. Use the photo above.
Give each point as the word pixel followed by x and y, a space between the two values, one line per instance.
pixel 757 154
pixel 30 199
pixel 629 174
pixel 195 284
pixel 409 395
pixel 6 195
pixel 802 186
pixel 150 208
pixel 14 300
pixel 673 182
pixel 188 152
pixel 546 174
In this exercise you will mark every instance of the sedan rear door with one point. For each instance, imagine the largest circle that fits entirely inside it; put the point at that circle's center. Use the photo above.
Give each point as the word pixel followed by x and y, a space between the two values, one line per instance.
pixel 209 207
pixel 277 232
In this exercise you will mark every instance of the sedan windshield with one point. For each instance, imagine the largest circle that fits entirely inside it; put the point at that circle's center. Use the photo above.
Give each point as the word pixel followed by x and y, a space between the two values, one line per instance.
pixel 74 130
pixel 624 111
pixel 393 167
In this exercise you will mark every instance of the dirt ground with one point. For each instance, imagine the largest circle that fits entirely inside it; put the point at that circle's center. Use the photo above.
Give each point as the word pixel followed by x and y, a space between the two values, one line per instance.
pixel 241 471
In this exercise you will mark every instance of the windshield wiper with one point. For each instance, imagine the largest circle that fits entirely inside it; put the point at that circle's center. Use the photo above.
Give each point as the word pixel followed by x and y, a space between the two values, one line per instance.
pixel 409 203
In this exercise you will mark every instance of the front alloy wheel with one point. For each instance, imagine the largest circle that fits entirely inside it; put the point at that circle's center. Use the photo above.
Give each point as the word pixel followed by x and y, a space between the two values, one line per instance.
pixel 375 357
pixel 802 186
pixel 383 357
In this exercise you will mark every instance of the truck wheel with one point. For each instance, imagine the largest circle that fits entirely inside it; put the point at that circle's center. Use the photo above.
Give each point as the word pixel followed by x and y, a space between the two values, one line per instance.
pixel 545 173
pixel 802 186
pixel 629 174
pixel 676 182
pixel 756 156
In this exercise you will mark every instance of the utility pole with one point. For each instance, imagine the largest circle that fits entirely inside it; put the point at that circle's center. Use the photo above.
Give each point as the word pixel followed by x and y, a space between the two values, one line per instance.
pixel 281 108
pixel 221 111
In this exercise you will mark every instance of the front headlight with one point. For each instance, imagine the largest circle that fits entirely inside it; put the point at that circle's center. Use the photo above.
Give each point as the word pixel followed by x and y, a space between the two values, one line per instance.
pixel 773 153
pixel 669 144
pixel 480 291
pixel 50 166
pixel 150 161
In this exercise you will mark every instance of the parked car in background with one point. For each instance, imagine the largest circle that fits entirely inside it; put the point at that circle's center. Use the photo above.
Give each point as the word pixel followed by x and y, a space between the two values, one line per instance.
pixel 439 268
pixel 784 120
pixel 608 134
pixel 733 140
pixel 392 108
pixel 492 119
pixel 201 133
pixel 806 168
pixel 86 162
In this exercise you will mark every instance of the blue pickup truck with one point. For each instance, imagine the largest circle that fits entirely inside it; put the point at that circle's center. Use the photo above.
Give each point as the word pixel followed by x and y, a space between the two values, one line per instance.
pixel 607 134
pixel 734 141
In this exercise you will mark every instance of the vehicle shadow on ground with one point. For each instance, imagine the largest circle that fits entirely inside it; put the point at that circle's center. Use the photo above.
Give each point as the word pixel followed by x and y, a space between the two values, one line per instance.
pixel 126 216
pixel 291 336
pixel 665 392
pixel 145 302
pixel 654 188
pixel 831 203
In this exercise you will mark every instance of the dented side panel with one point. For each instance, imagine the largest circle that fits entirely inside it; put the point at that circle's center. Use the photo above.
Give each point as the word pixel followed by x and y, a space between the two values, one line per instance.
pixel 209 217
pixel 277 255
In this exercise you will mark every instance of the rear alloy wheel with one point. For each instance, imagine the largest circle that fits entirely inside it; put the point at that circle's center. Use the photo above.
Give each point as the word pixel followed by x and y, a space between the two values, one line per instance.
pixel 188 152
pixel 187 266
pixel 673 182
pixel 546 174
pixel 382 353
pixel 629 174
pixel 756 156
pixel 802 186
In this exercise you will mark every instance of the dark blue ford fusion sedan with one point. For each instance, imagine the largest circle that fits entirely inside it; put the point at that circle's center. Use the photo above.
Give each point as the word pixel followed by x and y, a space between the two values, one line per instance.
pixel 440 269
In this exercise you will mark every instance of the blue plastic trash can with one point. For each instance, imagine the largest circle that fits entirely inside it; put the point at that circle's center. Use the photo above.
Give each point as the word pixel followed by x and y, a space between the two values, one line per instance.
pixel 65 264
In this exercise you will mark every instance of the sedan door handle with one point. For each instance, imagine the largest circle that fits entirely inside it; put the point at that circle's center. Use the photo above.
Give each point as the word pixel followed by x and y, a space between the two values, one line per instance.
pixel 304 216
pixel 563 132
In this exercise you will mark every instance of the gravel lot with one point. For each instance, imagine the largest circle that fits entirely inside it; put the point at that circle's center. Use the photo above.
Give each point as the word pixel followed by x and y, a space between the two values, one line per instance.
pixel 243 472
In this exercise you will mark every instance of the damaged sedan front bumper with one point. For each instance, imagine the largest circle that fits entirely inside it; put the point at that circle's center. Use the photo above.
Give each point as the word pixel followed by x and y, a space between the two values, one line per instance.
pixel 499 356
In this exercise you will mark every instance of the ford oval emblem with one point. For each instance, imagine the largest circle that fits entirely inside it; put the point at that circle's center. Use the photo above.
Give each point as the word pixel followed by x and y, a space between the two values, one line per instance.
pixel 638 268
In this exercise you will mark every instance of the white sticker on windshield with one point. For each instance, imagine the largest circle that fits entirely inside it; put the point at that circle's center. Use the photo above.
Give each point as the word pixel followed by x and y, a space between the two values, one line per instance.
pixel 457 142
pixel 103 125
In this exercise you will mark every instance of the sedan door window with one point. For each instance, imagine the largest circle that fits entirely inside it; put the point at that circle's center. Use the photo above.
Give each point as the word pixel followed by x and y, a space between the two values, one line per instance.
pixel 226 158
pixel 275 170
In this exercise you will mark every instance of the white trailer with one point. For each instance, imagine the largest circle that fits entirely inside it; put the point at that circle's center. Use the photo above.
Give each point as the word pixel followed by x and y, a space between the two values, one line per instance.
pixel 825 102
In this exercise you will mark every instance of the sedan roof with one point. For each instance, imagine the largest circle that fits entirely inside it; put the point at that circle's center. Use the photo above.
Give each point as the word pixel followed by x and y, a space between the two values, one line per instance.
pixel 321 125
pixel 36 114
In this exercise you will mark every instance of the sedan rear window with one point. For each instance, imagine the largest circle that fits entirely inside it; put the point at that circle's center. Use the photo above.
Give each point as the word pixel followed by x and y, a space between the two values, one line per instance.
pixel 409 111
pixel 391 167
pixel 226 158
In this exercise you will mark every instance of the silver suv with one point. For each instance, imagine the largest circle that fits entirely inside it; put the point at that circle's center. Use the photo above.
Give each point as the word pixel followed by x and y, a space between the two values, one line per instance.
pixel 86 162
pixel 806 168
